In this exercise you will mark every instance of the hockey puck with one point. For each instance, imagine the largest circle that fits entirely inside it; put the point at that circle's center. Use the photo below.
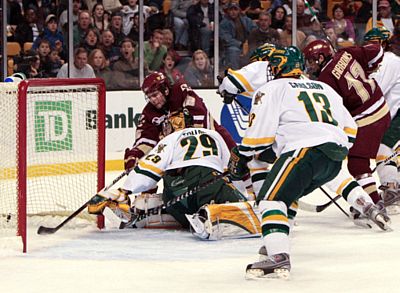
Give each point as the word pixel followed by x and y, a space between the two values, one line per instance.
pixel 8 218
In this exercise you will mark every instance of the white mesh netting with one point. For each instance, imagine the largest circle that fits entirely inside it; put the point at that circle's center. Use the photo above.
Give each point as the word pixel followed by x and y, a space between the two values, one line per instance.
pixel 61 152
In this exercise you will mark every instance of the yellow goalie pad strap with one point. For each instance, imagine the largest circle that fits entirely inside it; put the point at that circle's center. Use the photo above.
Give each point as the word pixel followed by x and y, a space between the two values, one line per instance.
pixel 240 214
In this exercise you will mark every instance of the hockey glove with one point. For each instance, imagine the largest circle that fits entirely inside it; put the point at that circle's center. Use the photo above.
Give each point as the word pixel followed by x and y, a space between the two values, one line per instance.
pixel 116 200
pixel 130 159
pixel 267 156
pixel 237 165
pixel 227 97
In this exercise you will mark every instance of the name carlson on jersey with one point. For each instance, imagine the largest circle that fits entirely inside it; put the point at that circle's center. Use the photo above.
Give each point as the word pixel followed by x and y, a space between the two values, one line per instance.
pixel 306 85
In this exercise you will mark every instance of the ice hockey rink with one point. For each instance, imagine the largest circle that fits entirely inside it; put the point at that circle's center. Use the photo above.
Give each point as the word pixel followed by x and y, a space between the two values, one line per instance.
pixel 329 254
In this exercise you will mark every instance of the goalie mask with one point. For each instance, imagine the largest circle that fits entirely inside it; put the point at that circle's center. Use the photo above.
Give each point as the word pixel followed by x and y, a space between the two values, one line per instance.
pixel 286 62
pixel 262 52
pixel 380 35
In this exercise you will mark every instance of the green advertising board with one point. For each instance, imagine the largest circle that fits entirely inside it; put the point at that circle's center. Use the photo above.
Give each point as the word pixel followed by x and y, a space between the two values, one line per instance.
pixel 53 126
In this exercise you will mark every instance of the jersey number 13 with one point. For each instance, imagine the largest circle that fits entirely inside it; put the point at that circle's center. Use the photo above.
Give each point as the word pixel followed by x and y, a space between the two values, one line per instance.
pixel 317 107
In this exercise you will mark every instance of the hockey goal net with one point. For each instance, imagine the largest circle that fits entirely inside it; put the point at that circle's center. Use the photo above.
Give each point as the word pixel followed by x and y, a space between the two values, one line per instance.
pixel 52 149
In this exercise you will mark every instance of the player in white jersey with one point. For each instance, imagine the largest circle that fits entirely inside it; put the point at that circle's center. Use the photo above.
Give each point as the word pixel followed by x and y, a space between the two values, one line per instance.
pixel 246 81
pixel 388 78
pixel 305 124
pixel 185 160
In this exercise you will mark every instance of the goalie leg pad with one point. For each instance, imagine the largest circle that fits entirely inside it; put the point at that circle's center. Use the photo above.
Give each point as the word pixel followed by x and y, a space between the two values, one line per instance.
pixel 230 220
pixel 162 220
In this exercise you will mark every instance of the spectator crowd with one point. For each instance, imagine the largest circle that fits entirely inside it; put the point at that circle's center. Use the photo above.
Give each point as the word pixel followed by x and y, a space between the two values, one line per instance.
pixel 178 35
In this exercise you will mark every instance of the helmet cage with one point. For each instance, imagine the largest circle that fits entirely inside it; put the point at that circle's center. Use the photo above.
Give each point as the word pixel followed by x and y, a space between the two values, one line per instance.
pixel 262 52
pixel 287 62
pixel 379 35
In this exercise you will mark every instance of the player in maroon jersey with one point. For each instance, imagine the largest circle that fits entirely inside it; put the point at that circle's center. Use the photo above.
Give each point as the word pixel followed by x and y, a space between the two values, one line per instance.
pixel 169 108
pixel 347 72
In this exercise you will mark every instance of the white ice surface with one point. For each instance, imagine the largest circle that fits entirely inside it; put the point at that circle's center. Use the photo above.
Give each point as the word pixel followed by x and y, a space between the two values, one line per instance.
pixel 329 254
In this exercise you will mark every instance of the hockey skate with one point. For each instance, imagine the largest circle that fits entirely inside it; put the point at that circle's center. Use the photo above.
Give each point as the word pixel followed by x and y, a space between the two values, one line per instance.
pixel 372 213
pixel 275 267
pixel 391 199
pixel 262 253
pixel 359 219
pixel 377 214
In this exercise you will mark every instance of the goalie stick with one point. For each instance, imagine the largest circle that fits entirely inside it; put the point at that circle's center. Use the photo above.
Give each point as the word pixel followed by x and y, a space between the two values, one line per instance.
pixel 156 210
pixel 49 230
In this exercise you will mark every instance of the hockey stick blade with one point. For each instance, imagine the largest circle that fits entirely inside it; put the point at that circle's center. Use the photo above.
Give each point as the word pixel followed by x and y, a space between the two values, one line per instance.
pixel 316 208
pixel 48 230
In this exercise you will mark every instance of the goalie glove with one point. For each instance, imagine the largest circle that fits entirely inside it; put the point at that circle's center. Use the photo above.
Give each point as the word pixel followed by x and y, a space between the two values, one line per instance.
pixel 237 165
pixel 117 200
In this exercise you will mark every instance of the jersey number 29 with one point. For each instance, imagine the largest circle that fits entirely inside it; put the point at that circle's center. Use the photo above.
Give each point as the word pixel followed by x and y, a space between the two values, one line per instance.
pixel 207 142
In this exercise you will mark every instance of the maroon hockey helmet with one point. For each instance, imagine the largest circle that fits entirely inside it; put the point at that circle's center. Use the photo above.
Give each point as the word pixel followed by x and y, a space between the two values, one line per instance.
pixel 155 81
pixel 316 48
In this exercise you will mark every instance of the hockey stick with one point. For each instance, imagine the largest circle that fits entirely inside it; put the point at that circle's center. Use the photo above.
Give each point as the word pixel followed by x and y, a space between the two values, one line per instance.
pixel 48 230
pixel 317 208
pixel 315 18
pixel 387 160
pixel 156 210
pixel 334 201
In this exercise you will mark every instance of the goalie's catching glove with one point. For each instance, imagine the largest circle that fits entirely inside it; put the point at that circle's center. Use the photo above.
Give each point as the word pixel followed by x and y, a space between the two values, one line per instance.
pixel 237 165
pixel 117 200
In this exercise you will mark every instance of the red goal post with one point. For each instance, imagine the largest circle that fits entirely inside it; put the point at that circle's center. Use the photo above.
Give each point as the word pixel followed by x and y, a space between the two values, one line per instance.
pixel 52 148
